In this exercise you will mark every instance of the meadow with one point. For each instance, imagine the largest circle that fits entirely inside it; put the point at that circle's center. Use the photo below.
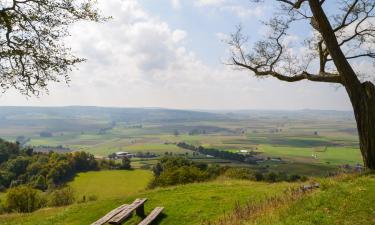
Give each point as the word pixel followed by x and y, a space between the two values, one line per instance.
pixel 207 203
pixel 110 184
pixel 188 204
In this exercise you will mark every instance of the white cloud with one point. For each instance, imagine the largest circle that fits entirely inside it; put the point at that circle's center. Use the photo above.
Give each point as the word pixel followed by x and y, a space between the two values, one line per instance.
pixel 178 35
pixel 138 60
pixel 234 6
pixel 176 4
pixel 209 2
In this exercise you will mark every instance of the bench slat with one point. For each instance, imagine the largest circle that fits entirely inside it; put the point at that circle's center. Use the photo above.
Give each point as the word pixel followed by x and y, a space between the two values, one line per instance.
pixel 152 216
pixel 125 213
pixel 109 215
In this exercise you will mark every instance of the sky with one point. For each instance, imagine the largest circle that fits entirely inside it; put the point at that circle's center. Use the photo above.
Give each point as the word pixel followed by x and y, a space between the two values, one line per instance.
pixel 171 54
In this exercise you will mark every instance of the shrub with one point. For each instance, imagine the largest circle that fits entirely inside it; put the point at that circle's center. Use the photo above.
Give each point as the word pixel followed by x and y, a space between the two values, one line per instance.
pixel 177 170
pixel 294 177
pixel 271 177
pixel 125 164
pixel 259 176
pixel 182 175
pixel 61 197
pixel 24 199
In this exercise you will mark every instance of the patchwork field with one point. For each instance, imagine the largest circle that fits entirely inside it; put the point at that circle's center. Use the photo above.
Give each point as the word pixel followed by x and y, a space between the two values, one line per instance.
pixel 320 140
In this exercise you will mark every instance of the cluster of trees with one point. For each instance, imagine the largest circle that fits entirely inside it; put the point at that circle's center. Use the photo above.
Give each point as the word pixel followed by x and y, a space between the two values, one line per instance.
pixel 145 155
pixel 214 152
pixel 40 170
pixel 34 180
pixel 111 164
pixel 249 174
pixel 178 170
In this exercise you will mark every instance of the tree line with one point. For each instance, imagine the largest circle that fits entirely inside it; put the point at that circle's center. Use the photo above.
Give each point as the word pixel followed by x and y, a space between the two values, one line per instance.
pixel 215 152
pixel 179 170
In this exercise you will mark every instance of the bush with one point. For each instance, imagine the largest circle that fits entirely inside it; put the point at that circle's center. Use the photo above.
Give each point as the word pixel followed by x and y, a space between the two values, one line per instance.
pixel 258 176
pixel 61 197
pixel 182 175
pixel 125 164
pixel 24 199
pixel 294 177
pixel 271 177
pixel 177 170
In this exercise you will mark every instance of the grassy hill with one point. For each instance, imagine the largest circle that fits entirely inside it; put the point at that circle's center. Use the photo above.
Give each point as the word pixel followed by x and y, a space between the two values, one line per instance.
pixel 187 204
pixel 343 200
pixel 110 184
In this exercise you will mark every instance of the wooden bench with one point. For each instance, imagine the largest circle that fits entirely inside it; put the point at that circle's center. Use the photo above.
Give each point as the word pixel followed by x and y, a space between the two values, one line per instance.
pixel 109 215
pixel 137 205
pixel 152 216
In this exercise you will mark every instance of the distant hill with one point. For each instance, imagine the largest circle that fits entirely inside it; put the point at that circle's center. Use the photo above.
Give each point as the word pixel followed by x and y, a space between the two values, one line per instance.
pixel 15 113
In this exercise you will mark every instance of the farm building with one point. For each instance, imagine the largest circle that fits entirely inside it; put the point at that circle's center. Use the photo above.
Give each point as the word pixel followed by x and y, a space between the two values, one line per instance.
pixel 121 155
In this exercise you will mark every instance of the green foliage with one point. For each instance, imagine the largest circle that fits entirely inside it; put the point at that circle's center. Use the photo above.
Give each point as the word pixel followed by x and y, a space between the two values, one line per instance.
pixel 177 170
pixel 61 197
pixel 34 42
pixel 40 170
pixel 214 152
pixel 125 164
pixel 111 164
pixel 23 199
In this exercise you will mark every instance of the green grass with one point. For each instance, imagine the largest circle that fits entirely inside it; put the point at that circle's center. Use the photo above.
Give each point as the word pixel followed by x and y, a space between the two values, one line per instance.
pixel 347 201
pixel 187 204
pixel 110 184
pixel 333 155
pixel 344 200
pixel 306 169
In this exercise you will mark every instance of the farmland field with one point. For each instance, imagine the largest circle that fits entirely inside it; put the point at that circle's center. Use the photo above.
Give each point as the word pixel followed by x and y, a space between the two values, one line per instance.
pixel 316 139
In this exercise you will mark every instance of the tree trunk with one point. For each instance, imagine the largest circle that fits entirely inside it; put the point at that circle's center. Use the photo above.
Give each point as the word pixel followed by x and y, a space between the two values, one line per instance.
pixel 363 102
pixel 362 96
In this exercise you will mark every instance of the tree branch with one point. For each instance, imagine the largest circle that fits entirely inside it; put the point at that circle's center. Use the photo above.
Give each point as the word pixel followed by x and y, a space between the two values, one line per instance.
pixel 323 77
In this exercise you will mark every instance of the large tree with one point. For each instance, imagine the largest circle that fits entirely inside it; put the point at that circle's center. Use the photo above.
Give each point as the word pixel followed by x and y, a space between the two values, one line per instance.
pixel 32 37
pixel 341 35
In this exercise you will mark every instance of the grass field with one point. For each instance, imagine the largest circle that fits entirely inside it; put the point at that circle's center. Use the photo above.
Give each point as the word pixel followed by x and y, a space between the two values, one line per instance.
pixel 188 204
pixel 110 184
pixel 343 201
pixel 330 155
pixel 347 200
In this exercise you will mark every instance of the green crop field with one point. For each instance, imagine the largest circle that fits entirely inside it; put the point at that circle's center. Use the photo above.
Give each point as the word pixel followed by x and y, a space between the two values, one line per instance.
pixel 330 155
pixel 110 184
